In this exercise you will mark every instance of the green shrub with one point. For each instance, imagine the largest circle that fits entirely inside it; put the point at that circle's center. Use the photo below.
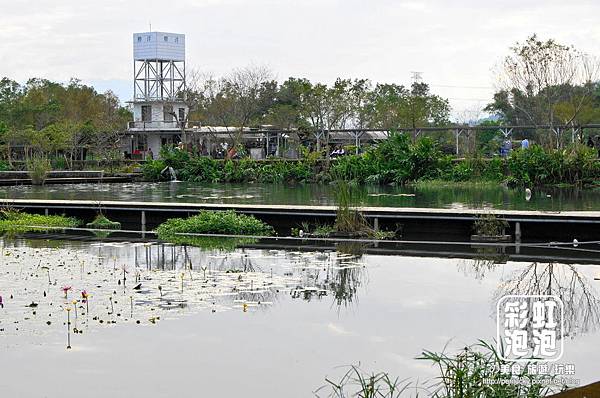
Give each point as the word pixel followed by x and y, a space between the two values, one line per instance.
pixel 202 169
pixel 534 166
pixel 38 168
pixel 174 157
pixel 393 161
pixel 425 160
pixel 151 170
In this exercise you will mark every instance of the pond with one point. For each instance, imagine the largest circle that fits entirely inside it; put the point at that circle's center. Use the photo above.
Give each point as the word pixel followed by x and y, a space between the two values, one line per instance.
pixel 433 195
pixel 166 321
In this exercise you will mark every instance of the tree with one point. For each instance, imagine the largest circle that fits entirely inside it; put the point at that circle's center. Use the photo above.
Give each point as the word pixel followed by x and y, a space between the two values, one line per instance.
pixel 56 119
pixel 192 96
pixel 540 78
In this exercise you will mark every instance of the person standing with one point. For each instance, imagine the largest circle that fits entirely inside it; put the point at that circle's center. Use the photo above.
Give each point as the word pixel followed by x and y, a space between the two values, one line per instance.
pixel 524 143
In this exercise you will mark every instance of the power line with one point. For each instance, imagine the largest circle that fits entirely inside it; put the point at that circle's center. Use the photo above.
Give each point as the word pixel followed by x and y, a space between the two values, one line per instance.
pixel 467 87
pixel 470 99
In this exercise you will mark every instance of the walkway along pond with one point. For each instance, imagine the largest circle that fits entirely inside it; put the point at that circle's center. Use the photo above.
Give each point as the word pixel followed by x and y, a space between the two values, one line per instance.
pixel 410 223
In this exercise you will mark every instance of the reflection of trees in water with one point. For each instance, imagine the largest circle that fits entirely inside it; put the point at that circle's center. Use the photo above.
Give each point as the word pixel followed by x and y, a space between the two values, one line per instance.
pixel 581 302
pixel 488 258
pixel 339 274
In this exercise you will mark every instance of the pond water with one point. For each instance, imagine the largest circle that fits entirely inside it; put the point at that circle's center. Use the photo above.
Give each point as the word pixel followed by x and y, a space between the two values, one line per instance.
pixel 249 322
pixel 454 196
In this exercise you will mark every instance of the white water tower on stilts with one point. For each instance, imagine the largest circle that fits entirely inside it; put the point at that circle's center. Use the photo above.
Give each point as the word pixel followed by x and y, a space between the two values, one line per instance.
pixel 158 89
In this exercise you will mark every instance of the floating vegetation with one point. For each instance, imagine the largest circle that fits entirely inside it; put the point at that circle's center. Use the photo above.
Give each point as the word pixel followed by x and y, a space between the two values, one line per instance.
pixel 101 222
pixel 15 221
pixel 213 222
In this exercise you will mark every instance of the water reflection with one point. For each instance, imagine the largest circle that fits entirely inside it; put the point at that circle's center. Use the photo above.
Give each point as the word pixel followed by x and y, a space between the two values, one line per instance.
pixel 143 282
pixel 488 258
pixel 579 297
pixel 341 275
pixel 442 196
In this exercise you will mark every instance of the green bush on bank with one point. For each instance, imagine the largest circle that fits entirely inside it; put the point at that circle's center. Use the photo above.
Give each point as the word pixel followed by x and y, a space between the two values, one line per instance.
pixel 573 165
pixel 397 161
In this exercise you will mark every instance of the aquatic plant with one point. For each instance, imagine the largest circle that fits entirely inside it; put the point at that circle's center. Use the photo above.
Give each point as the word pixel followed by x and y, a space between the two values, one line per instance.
pixel 74 302
pixel 65 290
pixel 14 221
pixel 47 269
pixel 358 383
pixel 102 222
pixel 476 371
pixel 212 222
pixel 86 299
pixel 38 168
pixel 490 225
pixel 349 221
pixel 68 327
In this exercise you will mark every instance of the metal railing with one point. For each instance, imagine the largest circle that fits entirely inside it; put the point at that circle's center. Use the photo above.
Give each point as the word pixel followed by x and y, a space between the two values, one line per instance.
pixel 154 125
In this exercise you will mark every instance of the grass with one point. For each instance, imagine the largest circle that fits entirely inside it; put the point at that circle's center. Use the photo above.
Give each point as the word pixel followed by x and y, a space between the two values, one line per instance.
pixel 358 383
pixel 213 222
pixel 348 220
pixel 38 168
pixel 15 221
pixel 454 184
pixel 463 375
pixel 460 375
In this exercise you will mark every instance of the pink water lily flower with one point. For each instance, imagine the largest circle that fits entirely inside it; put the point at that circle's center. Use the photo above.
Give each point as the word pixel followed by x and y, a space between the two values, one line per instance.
pixel 65 289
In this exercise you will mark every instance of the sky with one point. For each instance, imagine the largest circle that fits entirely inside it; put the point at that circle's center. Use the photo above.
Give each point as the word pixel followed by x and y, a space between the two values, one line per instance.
pixel 455 44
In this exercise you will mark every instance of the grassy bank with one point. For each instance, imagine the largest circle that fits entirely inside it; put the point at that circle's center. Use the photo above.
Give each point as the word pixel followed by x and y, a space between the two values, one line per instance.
pixel 395 161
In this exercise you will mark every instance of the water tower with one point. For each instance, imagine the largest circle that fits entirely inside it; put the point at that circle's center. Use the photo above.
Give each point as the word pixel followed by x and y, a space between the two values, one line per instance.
pixel 159 66
pixel 159 85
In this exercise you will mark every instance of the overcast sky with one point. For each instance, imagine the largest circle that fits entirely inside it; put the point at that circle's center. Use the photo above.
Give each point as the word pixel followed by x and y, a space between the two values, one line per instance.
pixel 454 43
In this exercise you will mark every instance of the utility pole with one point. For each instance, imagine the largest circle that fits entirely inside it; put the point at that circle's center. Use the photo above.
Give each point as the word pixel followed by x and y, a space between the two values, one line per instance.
pixel 417 77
